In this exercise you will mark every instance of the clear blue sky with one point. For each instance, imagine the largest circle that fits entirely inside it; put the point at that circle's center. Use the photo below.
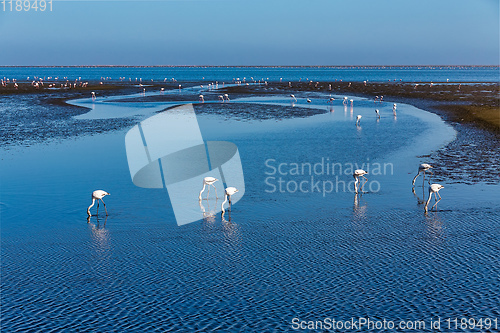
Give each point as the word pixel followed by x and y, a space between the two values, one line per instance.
pixel 241 32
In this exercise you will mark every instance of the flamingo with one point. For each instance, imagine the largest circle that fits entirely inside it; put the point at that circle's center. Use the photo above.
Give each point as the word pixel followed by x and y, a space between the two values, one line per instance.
pixel 292 96
pixel 221 98
pixel 434 188
pixel 394 108
pixel 359 173
pixel 344 101
pixel 228 193
pixel 227 97
pixel 422 168
pixel 202 99
pixel 98 195
pixel 378 113
pixel 352 101
pixel 331 100
pixel 308 100
pixel 93 95
pixel 358 120
pixel 210 182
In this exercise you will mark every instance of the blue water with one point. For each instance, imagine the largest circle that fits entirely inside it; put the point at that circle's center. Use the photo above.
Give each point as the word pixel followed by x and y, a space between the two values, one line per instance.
pixel 271 74
pixel 279 255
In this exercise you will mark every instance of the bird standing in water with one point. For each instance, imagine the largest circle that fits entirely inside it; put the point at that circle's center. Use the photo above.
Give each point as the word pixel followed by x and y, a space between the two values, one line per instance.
pixel 293 98
pixel 98 195
pixel 423 168
pixel 210 182
pixel 434 188
pixel 358 120
pixel 228 193
pixel 378 113
pixel 359 173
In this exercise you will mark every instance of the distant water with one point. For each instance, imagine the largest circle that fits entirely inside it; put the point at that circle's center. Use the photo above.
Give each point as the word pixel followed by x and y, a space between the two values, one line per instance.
pixel 271 74
pixel 277 256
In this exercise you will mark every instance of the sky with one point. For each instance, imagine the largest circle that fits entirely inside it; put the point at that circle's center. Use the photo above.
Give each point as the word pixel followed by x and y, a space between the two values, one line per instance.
pixel 253 33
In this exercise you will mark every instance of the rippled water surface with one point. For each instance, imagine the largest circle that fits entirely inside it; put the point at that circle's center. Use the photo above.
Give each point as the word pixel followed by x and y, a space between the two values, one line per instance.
pixel 278 255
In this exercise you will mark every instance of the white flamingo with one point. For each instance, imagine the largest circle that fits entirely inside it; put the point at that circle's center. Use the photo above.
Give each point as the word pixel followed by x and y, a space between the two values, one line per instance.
pixel 228 193
pixel 93 95
pixel 434 188
pixel 210 182
pixel 359 173
pixel 352 101
pixel 378 113
pixel 292 96
pixel 98 195
pixel 344 101
pixel 221 98
pixel 358 120
pixel 394 109
pixel 202 99
pixel 227 97
pixel 331 100
pixel 423 168
pixel 308 100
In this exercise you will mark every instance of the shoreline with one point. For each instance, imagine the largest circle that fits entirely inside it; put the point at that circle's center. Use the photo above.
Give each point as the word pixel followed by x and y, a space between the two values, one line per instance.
pixel 476 104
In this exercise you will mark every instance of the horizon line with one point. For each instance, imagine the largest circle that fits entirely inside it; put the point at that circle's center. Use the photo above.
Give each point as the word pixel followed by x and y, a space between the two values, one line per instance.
pixel 234 66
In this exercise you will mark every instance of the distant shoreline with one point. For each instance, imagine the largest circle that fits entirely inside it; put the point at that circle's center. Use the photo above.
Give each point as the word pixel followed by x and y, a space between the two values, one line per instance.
pixel 256 66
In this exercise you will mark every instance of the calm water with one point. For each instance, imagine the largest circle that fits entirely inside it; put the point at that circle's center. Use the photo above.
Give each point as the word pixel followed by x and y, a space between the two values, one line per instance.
pixel 279 255
pixel 273 74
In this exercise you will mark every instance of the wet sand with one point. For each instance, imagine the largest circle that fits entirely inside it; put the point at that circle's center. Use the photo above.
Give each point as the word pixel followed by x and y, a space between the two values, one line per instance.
pixel 475 103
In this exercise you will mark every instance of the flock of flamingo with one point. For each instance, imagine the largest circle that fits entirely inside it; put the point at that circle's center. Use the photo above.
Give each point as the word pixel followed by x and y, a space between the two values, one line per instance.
pixel 359 174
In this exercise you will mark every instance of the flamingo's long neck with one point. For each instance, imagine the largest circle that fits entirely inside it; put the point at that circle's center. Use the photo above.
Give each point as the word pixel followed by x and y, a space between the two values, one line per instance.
pixel 88 209
pixel 414 179
pixel 356 181
pixel 429 199
pixel 225 200
pixel 204 184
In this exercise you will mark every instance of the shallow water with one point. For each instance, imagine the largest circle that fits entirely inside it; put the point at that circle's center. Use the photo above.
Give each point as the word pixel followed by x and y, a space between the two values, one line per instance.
pixel 276 256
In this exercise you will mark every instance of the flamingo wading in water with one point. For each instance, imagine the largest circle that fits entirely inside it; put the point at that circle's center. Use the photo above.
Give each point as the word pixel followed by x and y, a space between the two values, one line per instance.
pixel 293 98
pixel 228 193
pixel 434 188
pixel 423 168
pixel 359 173
pixel 358 120
pixel 98 195
pixel 210 182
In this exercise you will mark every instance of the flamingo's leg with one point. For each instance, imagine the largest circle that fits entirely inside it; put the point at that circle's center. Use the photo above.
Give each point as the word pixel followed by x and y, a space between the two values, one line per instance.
pixel 215 188
pixel 97 207
pixel 435 205
pixel 105 207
